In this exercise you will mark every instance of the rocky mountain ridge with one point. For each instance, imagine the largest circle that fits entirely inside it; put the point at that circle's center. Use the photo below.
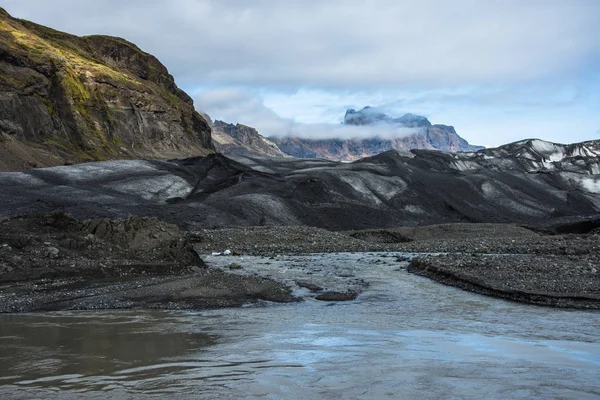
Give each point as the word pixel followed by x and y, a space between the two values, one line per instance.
pixel 530 155
pixel 68 99
pixel 237 139
pixel 425 136
pixel 525 183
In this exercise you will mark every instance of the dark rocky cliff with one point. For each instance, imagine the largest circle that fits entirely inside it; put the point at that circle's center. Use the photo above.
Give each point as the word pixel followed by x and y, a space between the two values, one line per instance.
pixel 69 99
pixel 238 139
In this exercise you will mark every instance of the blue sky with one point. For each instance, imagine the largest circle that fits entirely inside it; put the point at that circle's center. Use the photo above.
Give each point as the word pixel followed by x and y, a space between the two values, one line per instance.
pixel 499 71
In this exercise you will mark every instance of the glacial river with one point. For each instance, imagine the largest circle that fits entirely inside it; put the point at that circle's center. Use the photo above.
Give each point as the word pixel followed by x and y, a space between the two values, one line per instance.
pixel 406 337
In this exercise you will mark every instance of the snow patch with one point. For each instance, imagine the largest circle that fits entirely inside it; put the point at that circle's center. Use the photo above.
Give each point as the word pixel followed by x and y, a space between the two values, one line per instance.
pixel 414 209
pixel 99 170
pixel 551 152
pixel 591 185
pixel 20 178
pixel 541 146
pixel 374 189
pixel 267 205
pixel 159 188
pixel 586 183
pixel 465 165
pixel 488 190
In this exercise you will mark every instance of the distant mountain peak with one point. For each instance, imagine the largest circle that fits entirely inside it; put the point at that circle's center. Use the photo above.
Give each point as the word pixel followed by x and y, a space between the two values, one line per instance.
pixel 424 135
pixel 372 115
pixel 239 139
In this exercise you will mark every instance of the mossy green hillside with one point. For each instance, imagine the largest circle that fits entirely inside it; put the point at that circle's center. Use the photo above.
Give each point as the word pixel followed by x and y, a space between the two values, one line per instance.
pixel 102 93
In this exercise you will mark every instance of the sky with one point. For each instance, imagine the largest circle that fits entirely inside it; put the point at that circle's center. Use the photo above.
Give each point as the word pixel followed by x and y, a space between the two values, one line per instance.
pixel 498 71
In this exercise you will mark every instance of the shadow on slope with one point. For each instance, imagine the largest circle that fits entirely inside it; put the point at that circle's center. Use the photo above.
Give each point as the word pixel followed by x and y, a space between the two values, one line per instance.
pixel 388 190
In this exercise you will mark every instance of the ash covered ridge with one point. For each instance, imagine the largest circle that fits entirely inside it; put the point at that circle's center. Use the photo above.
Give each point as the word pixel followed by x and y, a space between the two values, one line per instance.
pixel 530 182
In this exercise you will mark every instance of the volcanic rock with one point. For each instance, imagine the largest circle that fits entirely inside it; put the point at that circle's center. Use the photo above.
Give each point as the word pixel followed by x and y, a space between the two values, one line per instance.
pixel 533 183
pixel 238 139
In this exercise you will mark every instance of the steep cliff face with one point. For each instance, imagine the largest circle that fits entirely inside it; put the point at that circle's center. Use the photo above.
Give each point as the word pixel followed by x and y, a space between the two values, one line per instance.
pixel 239 139
pixel 68 99
pixel 426 136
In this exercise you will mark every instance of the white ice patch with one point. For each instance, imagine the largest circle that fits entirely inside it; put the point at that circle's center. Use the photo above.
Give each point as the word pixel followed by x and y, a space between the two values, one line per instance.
pixel 11 179
pixel 269 205
pixel 157 188
pixel 546 165
pixel 550 151
pixel 503 195
pixel 385 187
pixel 488 190
pixel 414 209
pixel 526 155
pixel 585 151
pixel 358 185
pixel 100 170
pixel 556 156
pixel 541 146
pixel 586 183
pixel 374 189
pixel 590 184
pixel 465 165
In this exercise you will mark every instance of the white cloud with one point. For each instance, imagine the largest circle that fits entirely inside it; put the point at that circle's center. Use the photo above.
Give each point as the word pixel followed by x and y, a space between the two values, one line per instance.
pixel 246 107
pixel 481 118
pixel 235 105
pixel 342 43
pixel 496 70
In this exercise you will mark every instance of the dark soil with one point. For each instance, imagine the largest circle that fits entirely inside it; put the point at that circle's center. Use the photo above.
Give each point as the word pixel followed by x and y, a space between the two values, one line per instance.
pixel 55 262
pixel 445 238
pixel 201 289
pixel 56 245
pixel 552 280
pixel 337 296
pixel 384 191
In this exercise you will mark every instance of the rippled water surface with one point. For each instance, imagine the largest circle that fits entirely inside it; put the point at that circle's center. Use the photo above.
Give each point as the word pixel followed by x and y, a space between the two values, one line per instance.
pixel 405 337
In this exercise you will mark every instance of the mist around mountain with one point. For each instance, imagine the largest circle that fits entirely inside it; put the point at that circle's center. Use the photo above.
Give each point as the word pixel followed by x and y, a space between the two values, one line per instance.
pixel 414 132
pixel 368 132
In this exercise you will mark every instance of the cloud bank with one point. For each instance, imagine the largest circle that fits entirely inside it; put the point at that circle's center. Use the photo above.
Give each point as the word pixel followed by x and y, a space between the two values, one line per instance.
pixel 497 70
pixel 342 43
pixel 244 107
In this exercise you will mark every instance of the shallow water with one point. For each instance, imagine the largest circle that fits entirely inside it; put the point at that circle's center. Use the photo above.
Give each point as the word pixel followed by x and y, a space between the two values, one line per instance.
pixel 405 337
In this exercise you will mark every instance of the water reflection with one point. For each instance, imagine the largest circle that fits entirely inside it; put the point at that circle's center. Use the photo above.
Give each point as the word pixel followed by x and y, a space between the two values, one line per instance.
pixel 82 344
pixel 406 337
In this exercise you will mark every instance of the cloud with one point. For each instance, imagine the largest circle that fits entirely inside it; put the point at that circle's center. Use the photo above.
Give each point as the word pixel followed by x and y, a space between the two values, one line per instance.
pixel 342 43
pixel 332 131
pixel 496 70
pixel 236 105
